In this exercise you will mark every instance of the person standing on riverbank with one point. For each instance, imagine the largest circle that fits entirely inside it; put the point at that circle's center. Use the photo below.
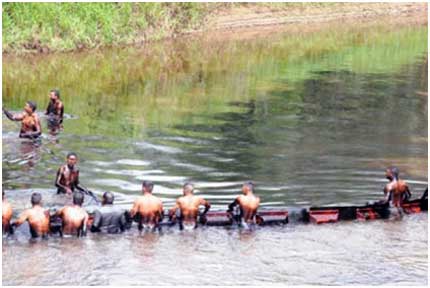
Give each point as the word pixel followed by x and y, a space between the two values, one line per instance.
pixel 30 122
pixel 148 208
pixel 37 217
pixel 188 206
pixel 248 204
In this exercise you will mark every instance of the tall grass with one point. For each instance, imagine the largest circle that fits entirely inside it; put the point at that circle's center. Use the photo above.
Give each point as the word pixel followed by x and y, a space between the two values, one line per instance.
pixel 64 26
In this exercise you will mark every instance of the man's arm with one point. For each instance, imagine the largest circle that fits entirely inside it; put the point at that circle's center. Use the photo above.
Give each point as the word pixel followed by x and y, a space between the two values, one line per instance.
pixel 78 185
pixel 160 212
pixel 21 219
pixel 95 227
pixel 387 193
pixel 407 192
pixel 10 116
pixel 123 222
pixel 135 208
pixel 233 204
pixel 60 110
pixel 59 213
pixel 172 211
pixel 84 225
pixel 206 204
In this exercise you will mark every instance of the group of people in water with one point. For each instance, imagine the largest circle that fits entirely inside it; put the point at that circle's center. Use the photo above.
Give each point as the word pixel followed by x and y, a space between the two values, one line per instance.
pixel 147 209
pixel 30 121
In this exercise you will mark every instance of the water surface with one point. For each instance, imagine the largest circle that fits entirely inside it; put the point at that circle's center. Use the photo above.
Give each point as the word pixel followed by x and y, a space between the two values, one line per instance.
pixel 312 119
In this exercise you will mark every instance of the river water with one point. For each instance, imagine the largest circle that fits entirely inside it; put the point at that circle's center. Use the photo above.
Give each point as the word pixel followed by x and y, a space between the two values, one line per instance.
pixel 311 118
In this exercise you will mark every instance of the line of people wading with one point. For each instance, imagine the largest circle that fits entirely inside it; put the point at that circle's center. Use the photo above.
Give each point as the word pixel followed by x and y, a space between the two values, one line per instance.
pixel 147 209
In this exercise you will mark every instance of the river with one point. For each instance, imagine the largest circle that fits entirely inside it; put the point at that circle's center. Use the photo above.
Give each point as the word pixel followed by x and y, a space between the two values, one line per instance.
pixel 311 118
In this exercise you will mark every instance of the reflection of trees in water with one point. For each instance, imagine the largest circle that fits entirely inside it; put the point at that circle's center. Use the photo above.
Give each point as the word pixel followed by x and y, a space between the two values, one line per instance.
pixel 375 105
pixel 337 113
pixel 236 141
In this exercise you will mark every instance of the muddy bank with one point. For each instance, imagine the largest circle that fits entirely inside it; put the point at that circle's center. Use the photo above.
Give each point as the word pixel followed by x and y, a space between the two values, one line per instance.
pixel 251 21
pixel 257 16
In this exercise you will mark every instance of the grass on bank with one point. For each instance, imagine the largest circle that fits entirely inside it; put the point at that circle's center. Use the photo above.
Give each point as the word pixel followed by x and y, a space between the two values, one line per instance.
pixel 68 26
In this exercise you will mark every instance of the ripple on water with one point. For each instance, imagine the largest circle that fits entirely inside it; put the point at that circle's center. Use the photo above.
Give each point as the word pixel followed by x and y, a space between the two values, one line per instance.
pixel 157 147
pixel 133 162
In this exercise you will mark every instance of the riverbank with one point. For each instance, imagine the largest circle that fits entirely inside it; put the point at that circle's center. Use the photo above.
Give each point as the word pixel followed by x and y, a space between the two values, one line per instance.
pixel 53 27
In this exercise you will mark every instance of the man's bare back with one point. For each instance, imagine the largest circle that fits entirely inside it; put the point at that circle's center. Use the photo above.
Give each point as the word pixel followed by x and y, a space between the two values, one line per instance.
pixel 37 218
pixel 189 206
pixel 74 217
pixel 148 207
pixel 247 202
pixel 396 188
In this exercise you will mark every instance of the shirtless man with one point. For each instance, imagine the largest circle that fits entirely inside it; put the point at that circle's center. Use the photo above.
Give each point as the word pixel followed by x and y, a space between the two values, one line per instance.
pixel 68 176
pixel 6 215
pixel 189 208
pixel 396 191
pixel 55 109
pixel 74 217
pixel 37 217
pixel 148 207
pixel 248 204
pixel 30 122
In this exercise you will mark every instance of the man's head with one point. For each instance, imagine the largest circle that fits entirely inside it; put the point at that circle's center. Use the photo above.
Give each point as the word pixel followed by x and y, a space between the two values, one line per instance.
pixel 78 198
pixel 36 199
pixel 71 159
pixel 247 188
pixel 108 198
pixel 392 173
pixel 188 188
pixel 30 107
pixel 54 95
pixel 147 186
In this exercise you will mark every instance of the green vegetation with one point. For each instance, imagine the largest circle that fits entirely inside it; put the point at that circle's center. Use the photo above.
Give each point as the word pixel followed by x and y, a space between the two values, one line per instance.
pixel 160 85
pixel 64 26
pixel 69 26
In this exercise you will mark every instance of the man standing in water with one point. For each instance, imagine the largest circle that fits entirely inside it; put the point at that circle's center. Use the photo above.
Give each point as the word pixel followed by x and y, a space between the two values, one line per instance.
pixel 68 176
pixel 6 215
pixel 148 208
pixel 109 218
pixel 248 204
pixel 396 191
pixel 37 217
pixel 55 109
pixel 74 217
pixel 189 208
pixel 30 122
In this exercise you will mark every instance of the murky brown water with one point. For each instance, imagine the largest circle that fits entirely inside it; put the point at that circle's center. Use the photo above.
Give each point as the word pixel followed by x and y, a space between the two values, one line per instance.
pixel 312 119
